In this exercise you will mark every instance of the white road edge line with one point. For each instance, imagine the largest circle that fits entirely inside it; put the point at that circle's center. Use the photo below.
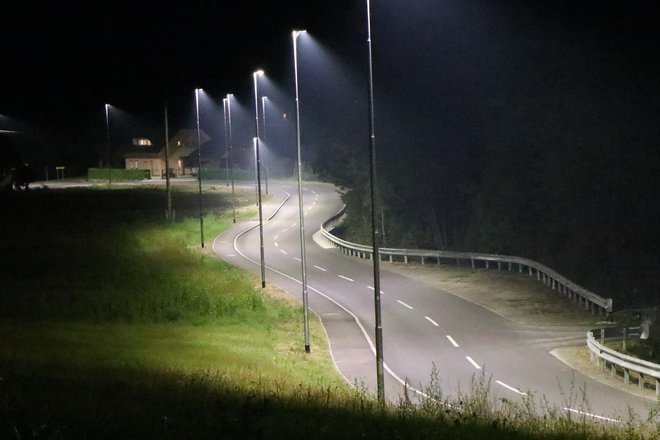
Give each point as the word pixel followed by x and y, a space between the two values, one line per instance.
pixel 321 269
pixel 345 278
pixel 404 304
pixel 432 321
pixel 454 343
pixel 474 364
pixel 510 388
pixel 595 416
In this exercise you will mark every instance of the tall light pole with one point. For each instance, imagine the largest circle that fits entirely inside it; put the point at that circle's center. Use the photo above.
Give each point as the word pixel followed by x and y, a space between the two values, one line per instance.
pixel 255 76
pixel 224 115
pixel 107 141
pixel 168 189
pixel 301 222
pixel 375 234
pixel 229 156
pixel 199 169
pixel 263 114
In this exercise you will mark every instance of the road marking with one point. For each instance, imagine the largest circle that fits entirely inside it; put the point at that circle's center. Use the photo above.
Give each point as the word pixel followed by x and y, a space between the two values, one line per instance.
pixel 297 259
pixel 454 343
pixel 431 321
pixel 404 304
pixel 283 251
pixel 474 364
pixel 276 237
pixel 372 288
pixel 313 192
pixel 346 278
pixel 277 245
pixel 320 268
pixel 509 387
pixel 595 416
pixel 231 255
pixel 293 225
pixel 284 230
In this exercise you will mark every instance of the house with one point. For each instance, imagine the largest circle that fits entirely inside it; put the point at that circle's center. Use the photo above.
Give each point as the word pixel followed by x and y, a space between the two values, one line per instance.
pixel 143 155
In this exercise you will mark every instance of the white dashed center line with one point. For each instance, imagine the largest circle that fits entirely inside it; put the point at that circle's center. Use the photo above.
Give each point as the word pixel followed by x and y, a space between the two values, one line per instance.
pixel 297 259
pixel 320 268
pixel 283 251
pixel 293 225
pixel 474 364
pixel 372 288
pixel 404 304
pixel 454 343
pixel 346 278
pixel 595 416
pixel 510 388
pixel 277 245
pixel 431 321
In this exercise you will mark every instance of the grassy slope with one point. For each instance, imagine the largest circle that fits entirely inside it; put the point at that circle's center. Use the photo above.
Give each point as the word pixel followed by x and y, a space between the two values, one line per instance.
pixel 111 327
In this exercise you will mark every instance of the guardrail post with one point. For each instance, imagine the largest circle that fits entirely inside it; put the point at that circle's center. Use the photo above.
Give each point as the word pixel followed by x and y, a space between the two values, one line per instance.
pixel 626 376
pixel 519 268
pixel 657 387
pixel 640 381
pixel 422 260
pixel 623 339
pixel 390 258
pixel 472 262
pixel 613 370
pixel 499 265
pixel 538 275
pixel 405 259
pixel 509 266
pixel 487 265
pixel 530 271
pixel 602 336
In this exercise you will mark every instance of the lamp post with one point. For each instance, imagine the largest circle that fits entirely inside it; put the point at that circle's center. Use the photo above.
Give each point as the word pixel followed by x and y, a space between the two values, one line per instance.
pixel 263 115
pixel 224 115
pixel 255 76
pixel 168 189
pixel 375 234
pixel 107 141
pixel 199 169
pixel 301 222
pixel 229 156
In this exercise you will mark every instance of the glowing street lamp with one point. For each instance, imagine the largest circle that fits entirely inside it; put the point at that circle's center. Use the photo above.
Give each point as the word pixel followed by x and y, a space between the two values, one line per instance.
pixel 229 156
pixel 375 234
pixel 255 76
pixel 199 169
pixel 301 222
pixel 107 141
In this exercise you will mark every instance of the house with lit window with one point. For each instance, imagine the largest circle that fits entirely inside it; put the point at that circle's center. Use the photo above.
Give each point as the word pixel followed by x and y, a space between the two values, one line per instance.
pixel 143 155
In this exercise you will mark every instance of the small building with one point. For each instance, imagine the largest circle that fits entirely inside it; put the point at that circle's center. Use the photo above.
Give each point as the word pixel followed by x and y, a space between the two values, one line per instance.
pixel 143 155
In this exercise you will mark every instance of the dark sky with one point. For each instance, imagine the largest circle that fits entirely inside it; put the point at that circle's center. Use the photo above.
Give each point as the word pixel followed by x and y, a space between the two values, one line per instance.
pixel 446 70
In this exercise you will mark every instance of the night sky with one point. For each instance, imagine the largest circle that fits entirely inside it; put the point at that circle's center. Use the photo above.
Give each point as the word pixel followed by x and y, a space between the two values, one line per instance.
pixel 443 68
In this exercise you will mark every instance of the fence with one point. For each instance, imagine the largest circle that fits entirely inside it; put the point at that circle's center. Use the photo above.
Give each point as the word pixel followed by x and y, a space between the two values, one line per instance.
pixel 585 298
pixel 607 358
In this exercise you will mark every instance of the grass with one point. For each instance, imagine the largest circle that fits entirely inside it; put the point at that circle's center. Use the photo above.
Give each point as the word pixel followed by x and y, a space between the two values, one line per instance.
pixel 113 326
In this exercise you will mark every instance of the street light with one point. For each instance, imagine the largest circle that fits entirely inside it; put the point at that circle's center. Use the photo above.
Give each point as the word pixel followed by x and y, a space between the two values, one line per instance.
pixel 303 258
pixel 224 116
pixel 375 234
pixel 199 169
pixel 107 141
pixel 229 156
pixel 256 75
pixel 263 114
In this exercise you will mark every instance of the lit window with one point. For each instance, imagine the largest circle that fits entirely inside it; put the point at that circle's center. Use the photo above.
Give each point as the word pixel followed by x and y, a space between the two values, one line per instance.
pixel 142 142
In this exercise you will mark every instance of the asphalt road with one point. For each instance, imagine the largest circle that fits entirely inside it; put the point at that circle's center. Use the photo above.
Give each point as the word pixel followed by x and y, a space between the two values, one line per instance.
pixel 423 326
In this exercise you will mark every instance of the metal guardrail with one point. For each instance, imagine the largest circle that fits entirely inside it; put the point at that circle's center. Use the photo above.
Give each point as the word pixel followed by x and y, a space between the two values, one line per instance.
pixel 607 358
pixel 585 298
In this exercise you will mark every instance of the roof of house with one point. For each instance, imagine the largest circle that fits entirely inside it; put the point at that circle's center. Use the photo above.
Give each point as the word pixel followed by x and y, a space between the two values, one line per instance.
pixel 181 145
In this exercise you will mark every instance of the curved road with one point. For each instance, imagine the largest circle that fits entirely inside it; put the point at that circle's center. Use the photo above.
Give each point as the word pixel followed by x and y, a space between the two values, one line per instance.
pixel 423 326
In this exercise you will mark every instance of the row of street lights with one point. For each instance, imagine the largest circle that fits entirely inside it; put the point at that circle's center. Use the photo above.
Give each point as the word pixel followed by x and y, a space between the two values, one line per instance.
pixel 228 145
